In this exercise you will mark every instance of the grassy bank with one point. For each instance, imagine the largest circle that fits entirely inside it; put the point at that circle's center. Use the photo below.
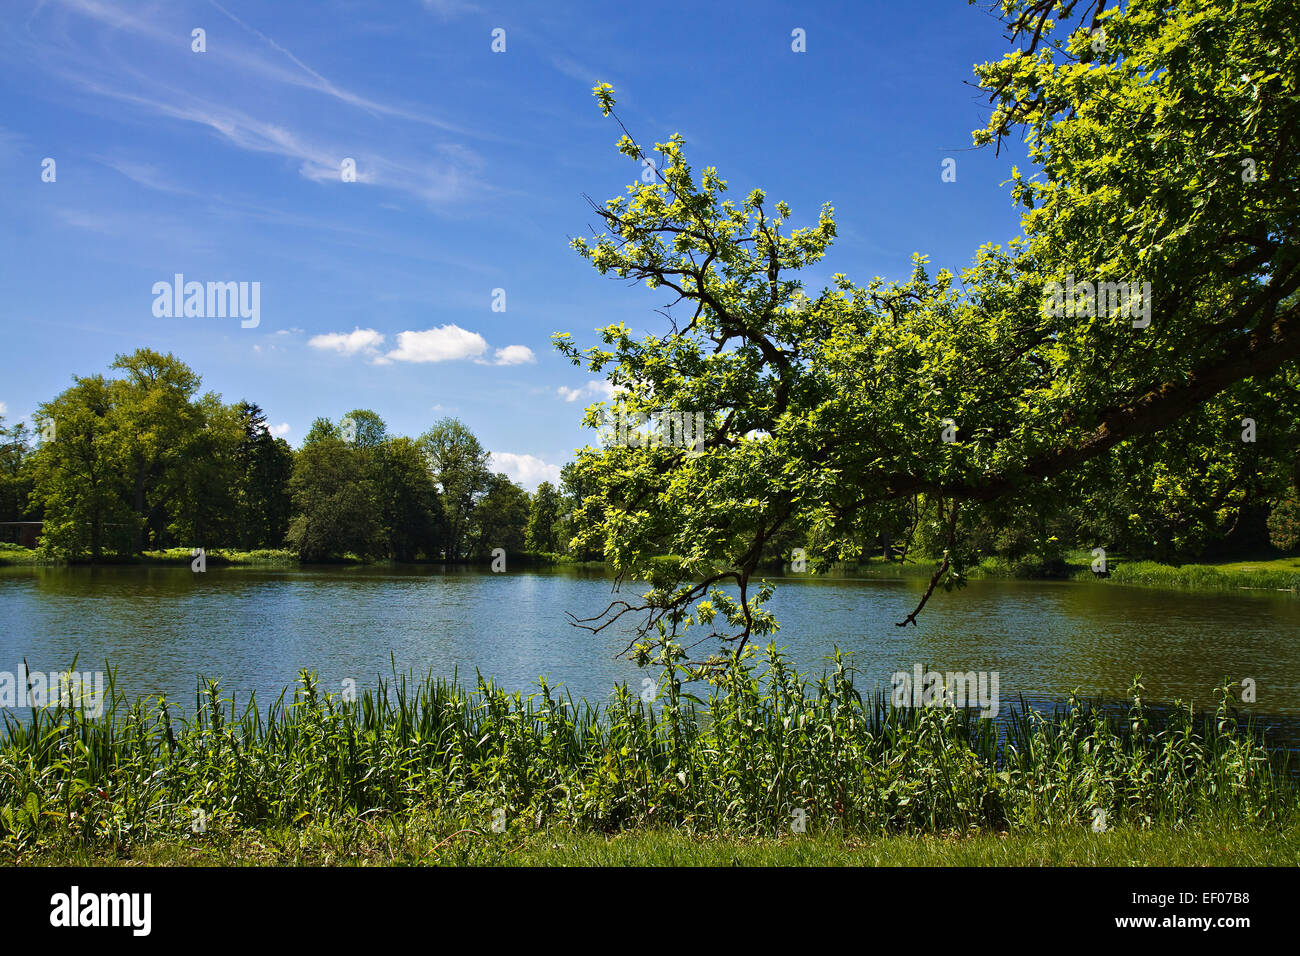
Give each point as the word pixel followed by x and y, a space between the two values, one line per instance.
pixel 415 842
pixel 13 554
pixel 1277 574
pixel 777 752
pixel 269 557
pixel 221 557
pixel 1265 573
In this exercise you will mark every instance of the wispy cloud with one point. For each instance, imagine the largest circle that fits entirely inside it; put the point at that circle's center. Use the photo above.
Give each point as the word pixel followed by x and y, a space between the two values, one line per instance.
pixel 90 222
pixel 251 72
pixel 596 389
pixel 146 174
pixel 450 8
pixel 11 143
pixel 578 71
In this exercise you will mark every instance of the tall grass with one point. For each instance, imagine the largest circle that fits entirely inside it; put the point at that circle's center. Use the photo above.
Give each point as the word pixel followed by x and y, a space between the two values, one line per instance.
pixel 1201 576
pixel 765 747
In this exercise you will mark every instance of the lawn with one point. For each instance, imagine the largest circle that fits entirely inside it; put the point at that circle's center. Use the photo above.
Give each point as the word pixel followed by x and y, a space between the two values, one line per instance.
pixel 410 842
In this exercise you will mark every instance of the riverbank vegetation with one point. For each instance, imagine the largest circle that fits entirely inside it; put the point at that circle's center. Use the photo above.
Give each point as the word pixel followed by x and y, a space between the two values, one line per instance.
pixel 765 754
pixel 1281 574
pixel 1268 573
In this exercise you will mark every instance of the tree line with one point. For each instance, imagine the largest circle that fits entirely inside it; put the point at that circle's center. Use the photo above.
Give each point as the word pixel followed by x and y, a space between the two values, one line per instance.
pixel 141 460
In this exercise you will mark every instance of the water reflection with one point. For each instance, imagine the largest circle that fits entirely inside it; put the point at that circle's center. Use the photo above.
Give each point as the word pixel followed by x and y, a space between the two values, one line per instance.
pixel 255 628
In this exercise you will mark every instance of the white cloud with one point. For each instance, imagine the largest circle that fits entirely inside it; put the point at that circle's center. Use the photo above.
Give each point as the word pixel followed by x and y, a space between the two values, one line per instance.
pixel 280 430
pixel 515 355
pixel 443 344
pixel 528 470
pixel 597 389
pixel 4 409
pixel 349 343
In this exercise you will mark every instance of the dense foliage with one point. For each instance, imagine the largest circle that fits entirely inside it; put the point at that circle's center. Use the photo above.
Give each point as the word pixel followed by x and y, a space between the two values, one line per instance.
pixel 776 754
pixel 955 408
pixel 142 462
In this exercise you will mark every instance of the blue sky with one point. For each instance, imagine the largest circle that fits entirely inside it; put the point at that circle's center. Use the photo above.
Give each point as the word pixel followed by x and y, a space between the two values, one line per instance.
pixel 471 169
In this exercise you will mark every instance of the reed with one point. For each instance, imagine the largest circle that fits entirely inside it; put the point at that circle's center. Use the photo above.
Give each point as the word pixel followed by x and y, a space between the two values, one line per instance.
pixel 762 749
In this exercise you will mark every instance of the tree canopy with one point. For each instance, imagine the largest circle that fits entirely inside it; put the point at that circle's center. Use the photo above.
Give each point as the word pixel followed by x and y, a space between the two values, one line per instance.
pixel 142 461
pixel 1163 198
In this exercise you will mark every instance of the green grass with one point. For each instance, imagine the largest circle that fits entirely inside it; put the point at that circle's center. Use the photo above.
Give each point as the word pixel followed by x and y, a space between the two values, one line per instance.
pixel 15 554
pixel 764 749
pixel 1267 574
pixel 219 557
pixel 414 842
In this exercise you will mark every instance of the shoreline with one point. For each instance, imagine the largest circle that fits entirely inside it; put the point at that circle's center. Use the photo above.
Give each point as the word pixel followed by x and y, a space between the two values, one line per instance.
pixel 1267 573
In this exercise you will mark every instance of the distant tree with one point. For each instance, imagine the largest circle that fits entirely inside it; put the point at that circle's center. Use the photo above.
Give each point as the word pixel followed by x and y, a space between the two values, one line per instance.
pixel 81 477
pixel 500 517
pixel 578 526
pixel 202 494
pixel 408 509
pixel 543 518
pixel 265 465
pixel 15 472
pixel 364 428
pixel 158 419
pixel 334 503
pixel 458 463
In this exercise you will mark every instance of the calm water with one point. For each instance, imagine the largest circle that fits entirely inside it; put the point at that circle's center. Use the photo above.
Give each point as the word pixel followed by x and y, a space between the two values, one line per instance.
pixel 255 629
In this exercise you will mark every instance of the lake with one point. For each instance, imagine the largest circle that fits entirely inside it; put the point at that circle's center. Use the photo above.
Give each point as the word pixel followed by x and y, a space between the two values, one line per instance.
pixel 254 628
